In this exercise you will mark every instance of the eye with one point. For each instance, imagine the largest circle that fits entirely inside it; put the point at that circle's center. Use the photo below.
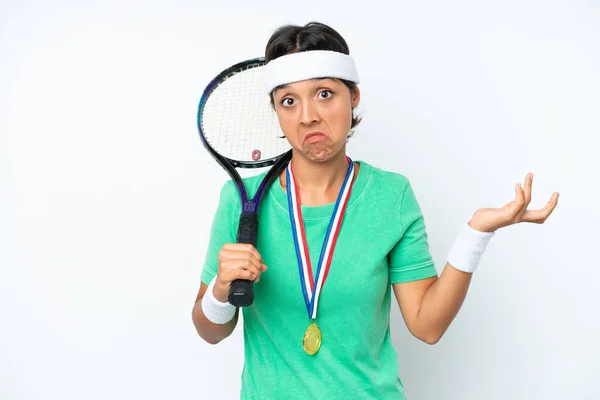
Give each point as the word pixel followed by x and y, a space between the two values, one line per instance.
pixel 287 102
pixel 325 94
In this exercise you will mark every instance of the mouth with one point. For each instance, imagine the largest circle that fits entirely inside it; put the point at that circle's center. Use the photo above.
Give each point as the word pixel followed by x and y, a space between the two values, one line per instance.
pixel 314 137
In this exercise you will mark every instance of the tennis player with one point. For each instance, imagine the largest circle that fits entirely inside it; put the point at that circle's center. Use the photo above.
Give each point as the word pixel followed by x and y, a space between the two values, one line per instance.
pixel 336 238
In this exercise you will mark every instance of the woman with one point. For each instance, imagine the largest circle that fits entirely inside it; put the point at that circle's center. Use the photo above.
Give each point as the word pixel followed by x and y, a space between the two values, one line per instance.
pixel 319 326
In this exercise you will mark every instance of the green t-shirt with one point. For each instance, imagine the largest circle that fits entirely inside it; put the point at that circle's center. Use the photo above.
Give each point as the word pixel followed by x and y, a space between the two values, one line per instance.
pixel 382 241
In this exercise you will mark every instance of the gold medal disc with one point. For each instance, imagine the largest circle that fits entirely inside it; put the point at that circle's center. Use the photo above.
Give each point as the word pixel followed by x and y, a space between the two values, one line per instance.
pixel 312 339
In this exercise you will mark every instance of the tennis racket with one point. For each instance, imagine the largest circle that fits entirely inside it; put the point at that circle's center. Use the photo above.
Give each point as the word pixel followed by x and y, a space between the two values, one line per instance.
pixel 239 128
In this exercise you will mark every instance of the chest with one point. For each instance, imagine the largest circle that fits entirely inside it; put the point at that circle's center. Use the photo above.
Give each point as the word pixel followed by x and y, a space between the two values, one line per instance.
pixel 358 275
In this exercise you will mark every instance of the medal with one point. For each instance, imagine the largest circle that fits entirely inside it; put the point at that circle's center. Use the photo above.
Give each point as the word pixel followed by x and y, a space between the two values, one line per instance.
pixel 312 339
pixel 312 288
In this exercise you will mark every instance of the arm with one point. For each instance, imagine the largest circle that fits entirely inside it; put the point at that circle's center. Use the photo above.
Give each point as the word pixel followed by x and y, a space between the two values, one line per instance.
pixel 212 333
pixel 429 305
pixel 213 316
pixel 222 232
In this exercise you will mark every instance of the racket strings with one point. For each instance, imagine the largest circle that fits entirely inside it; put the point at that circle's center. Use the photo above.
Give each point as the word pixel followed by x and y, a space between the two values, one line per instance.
pixel 238 120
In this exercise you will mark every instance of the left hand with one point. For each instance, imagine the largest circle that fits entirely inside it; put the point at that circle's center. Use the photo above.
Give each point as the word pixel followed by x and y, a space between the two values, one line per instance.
pixel 491 219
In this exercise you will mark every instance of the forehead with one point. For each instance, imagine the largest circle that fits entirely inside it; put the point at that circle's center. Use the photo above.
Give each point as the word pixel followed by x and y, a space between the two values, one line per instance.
pixel 308 82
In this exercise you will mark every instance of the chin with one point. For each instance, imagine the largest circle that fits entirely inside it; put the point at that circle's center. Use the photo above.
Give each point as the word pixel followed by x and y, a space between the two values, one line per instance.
pixel 321 154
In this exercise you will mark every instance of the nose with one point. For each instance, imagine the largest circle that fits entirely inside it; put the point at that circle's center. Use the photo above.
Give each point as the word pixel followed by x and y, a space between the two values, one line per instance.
pixel 309 113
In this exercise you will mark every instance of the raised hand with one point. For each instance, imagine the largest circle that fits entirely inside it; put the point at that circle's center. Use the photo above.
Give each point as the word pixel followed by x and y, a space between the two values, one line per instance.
pixel 491 219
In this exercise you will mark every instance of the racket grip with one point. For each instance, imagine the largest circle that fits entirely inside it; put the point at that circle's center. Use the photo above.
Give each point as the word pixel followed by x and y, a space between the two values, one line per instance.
pixel 241 291
pixel 248 229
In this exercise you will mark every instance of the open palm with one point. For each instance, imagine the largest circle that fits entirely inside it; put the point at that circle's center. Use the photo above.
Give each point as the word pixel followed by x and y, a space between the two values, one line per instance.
pixel 491 219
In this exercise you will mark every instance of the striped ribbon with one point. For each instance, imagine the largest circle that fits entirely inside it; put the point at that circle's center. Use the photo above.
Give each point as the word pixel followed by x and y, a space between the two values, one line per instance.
pixel 311 289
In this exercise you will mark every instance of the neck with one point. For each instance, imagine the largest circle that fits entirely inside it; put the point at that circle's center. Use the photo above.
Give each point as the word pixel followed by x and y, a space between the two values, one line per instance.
pixel 318 183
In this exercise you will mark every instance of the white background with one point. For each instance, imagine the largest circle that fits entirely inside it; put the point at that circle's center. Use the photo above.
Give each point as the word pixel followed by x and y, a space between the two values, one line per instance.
pixel 107 193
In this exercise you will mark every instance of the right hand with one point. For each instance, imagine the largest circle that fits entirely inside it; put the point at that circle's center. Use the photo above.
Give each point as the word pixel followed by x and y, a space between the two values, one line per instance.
pixel 237 261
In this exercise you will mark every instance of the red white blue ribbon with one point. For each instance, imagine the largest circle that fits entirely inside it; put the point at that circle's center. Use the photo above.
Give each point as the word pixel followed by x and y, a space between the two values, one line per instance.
pixel 311 289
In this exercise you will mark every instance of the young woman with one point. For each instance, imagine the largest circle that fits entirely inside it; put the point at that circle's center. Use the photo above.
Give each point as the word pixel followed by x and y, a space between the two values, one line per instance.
pixel 319 327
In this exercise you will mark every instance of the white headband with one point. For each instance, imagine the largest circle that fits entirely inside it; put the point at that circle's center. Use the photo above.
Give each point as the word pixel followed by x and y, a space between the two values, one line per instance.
pixel 307 65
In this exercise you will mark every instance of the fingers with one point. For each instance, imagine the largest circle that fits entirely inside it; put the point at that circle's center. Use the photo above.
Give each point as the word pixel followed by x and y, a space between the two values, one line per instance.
pixel 229 255
pixel 527 189
pixel 242 247
pixel 240 261
pixel 236 251
pixel 522 198
pixel 516 207
pixel 540 216
pixel 239 269
pixel 242 272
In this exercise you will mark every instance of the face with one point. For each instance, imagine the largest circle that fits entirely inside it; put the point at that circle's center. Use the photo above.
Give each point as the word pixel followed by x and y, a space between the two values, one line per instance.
pixel 316 115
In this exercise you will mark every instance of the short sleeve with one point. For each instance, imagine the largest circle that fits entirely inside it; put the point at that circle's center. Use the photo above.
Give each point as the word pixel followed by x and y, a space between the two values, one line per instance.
pixel 410 259
pixel 223 229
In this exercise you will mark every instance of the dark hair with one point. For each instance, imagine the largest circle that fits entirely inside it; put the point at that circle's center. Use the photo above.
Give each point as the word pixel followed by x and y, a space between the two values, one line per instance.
pixel 289 39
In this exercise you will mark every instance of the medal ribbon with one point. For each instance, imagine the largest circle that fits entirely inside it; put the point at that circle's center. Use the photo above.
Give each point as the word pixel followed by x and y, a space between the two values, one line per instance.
pixel 311 289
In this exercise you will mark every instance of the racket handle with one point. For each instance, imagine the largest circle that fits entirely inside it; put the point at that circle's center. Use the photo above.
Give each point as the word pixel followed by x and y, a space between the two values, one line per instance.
pixel 241 291
pixel 248 229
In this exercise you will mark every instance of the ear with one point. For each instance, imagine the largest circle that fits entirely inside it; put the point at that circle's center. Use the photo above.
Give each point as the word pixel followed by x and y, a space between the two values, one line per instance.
pixel 355 97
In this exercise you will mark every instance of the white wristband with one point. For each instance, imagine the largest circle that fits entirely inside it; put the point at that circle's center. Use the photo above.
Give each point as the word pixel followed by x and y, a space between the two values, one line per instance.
pixel 468 248
pixel 216 311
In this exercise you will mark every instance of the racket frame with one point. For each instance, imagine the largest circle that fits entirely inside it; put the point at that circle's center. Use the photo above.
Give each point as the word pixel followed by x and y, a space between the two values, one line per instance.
pixel 241 293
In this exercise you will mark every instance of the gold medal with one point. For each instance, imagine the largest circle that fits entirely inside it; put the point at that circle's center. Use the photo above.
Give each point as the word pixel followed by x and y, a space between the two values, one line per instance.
pixel 312 339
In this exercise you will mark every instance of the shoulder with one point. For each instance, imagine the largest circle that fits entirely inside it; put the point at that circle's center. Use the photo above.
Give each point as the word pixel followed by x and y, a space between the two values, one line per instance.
pixel 229 190
pixel 391 190
pixel 251 183
pixel 391 183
